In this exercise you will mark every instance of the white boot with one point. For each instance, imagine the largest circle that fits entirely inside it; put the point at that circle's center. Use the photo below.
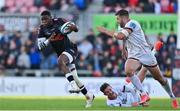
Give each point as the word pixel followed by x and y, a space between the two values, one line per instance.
pixel 89 101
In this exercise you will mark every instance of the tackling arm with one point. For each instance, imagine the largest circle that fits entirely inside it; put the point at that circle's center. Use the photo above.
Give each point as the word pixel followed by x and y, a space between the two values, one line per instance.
pixel 123 34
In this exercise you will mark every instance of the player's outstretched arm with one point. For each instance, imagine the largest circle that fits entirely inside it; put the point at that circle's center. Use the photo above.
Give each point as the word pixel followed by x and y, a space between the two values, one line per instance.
pixel 105 31
pixel 123 34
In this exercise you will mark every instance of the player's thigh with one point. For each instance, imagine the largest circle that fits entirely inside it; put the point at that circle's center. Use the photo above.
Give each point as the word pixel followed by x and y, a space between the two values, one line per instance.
pixel 63 59
pixel 131 66
pixel 156 73
pixel 142 73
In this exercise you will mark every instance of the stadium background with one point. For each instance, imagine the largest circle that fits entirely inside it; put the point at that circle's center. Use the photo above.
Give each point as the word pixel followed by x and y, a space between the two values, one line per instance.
pixel 24 71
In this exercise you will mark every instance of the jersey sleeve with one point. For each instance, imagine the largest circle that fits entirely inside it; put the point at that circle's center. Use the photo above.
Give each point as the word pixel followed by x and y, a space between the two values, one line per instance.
pixel 131 25
pixel 129 89
pixel 60 20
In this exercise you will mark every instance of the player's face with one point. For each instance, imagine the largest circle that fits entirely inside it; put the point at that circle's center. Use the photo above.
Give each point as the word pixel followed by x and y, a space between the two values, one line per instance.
pixel 45 20
pixel 110 93
pixel 120 20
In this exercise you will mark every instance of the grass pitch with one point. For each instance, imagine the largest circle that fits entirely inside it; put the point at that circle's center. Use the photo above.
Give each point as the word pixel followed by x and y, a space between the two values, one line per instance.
pixel 72 103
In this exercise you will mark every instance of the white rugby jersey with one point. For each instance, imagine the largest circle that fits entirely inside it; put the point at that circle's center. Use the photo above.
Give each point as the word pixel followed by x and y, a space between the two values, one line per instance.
pixel 126 96
pixel 136 42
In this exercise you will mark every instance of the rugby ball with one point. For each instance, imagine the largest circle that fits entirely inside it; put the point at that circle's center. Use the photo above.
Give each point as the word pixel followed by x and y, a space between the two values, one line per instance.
pixel 65 28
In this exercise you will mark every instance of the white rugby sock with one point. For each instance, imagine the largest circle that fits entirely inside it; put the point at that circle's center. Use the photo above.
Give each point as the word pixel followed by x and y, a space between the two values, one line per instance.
pixel 69 77
pixel 73 70
pixel 137 83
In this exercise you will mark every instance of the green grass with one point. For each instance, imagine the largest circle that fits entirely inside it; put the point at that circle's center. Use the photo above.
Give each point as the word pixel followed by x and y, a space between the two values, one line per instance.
pixel 71 103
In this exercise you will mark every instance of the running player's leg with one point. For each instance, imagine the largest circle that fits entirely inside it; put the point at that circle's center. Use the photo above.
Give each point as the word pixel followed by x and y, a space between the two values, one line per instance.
pixel 131 66
pixel 63 61
pixel 89 96
pixel 71 55
pixel 156 73
pixel 141 75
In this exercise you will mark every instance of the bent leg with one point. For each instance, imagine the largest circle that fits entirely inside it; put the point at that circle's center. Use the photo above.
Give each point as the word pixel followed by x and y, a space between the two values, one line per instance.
pixel 131 66
pixel 156 73
pixel 142 73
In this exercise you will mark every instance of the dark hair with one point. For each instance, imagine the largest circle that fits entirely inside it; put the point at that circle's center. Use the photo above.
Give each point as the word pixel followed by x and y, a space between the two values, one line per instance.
pixel 104 86
pixel 46 12
pixel 122 12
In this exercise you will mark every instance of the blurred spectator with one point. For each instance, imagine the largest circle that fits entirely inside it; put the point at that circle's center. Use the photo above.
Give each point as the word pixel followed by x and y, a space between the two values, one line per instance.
pixel 49 62
pixel 82 63
pixel 38 3
pixel 91 36
pixel 165 6
pixel 35 59
pixel 149 7
pixel 17 39
pixel 157 6
pixel 2 4
pixel 171 35
pixel 81 4
pixel 175 5
pixel 171 47
pixel 11 62
pixel 23 60
pixel 54 5
pixel 64 5
pixel 2 59
pixel 85 47
pixel 108 6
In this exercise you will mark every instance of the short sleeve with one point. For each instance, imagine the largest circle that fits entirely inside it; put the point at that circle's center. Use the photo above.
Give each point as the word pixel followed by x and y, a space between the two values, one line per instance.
pixel 131 25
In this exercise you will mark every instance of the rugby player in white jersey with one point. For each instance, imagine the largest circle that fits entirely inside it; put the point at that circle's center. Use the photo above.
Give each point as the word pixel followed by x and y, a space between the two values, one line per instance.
pixel 139 53
pixel 122 96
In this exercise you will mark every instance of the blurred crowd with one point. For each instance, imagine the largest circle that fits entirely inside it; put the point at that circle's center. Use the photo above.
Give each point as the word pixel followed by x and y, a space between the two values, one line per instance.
pixel 138 6
pixel 108 6
pixel 34 6
pixel 97 53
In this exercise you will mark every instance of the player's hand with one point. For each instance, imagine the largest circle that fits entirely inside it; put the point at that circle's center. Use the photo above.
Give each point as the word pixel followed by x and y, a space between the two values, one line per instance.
pixel 73 27
pixel 42 46
pixel 101 29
